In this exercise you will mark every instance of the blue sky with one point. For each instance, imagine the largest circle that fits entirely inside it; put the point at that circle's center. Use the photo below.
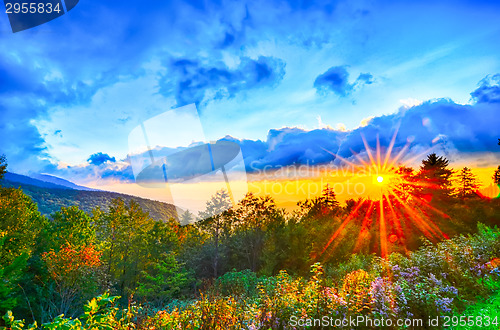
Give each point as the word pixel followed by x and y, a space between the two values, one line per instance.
pixel 305 73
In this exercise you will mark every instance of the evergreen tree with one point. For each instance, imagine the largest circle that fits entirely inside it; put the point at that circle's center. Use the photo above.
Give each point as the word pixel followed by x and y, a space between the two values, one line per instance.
pixel 467 183
pixel 186 218
pixel 328 198
pixel 434 177
pixel 496 176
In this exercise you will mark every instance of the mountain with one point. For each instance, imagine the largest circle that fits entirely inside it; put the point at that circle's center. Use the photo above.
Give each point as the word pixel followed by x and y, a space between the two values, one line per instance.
pixel 50 197
pixel 60 182
pixel 26 180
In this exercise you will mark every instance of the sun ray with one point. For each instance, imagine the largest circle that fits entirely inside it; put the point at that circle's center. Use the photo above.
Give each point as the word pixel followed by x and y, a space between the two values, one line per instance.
pixel 396 221
pixel 378 154
pixel 397 189
pixel 368 151
pixel 364 226
pixel 383 231
pixel 342 226
pixel 389 149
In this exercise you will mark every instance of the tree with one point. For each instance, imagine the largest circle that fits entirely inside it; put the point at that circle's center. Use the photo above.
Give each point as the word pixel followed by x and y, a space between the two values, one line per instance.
pixel 73 270
pixel 215 220
pixel 434 177
pixel 405 184
pixel 325 204
pixel 163 281
pixel 186 218
pixel 496 176
pixel 3 166
pixel 20 224
pixel 252 217
pixel 123 233
pixel 467 183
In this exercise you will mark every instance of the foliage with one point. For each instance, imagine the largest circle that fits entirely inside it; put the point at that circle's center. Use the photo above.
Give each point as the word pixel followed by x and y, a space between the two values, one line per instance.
pixel 50 200
pixel 251 265
pixel 20 223
pixel 73 270
pixel 467 183
pixel 3 166
pixel 99 313
pixel 164 281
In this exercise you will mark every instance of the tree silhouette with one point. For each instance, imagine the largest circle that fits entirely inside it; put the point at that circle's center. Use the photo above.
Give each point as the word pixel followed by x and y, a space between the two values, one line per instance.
pixel 435 177
pixel 467 183
pixel 496 176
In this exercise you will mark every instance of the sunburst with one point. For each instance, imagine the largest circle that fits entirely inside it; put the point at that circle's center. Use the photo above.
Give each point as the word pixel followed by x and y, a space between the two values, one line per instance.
pixel 396 208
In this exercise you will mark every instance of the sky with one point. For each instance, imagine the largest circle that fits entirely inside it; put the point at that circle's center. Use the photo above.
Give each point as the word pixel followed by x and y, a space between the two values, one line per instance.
pixel 291 82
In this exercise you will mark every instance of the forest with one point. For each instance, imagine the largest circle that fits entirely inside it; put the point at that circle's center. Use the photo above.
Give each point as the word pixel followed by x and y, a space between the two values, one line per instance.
pixel 429 249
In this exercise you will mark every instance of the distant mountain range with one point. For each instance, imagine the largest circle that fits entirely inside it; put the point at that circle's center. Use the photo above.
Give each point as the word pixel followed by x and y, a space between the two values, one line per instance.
pixel 51 193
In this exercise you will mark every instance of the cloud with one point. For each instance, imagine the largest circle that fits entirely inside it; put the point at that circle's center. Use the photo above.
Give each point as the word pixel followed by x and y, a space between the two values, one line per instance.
pixel 442 125
pixel 100 158
pixel 291 146
pixel 365 79
pixel 488 90
pixel 336 80
pixel 451 129
pixel 195 81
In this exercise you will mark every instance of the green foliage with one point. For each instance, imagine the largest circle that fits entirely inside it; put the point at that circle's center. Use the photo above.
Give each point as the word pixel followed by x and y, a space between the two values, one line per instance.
pixel 165 280
pixel 239 284
pixel 99 313
pixel 51 200
pixel 249 265
pixel 20 222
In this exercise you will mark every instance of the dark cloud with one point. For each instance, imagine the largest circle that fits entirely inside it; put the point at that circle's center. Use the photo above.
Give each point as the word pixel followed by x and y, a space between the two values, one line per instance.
pixel 100 158
pixel 488 90
pixel 365 79
pixel 336 80
pixel 193 79
pixel 442 124
pixel 290 146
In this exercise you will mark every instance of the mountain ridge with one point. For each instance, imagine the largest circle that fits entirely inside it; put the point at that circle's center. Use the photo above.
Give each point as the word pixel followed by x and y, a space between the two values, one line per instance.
pixel 50 197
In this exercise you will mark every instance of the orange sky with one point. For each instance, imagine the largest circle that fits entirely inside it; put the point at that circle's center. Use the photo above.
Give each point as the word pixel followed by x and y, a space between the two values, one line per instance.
pixel 286 191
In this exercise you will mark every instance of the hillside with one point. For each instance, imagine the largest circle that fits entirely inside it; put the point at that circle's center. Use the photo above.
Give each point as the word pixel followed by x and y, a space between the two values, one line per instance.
pixel 51 197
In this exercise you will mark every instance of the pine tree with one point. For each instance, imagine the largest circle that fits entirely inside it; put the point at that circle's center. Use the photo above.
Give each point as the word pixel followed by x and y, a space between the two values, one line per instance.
pixel 496 176
pixel 467 183
pixel 328 198
pixel 435 177
pixel 186 218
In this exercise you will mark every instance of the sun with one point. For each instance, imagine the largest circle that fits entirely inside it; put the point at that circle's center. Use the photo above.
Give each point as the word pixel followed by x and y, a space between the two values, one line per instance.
pixel 397 207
